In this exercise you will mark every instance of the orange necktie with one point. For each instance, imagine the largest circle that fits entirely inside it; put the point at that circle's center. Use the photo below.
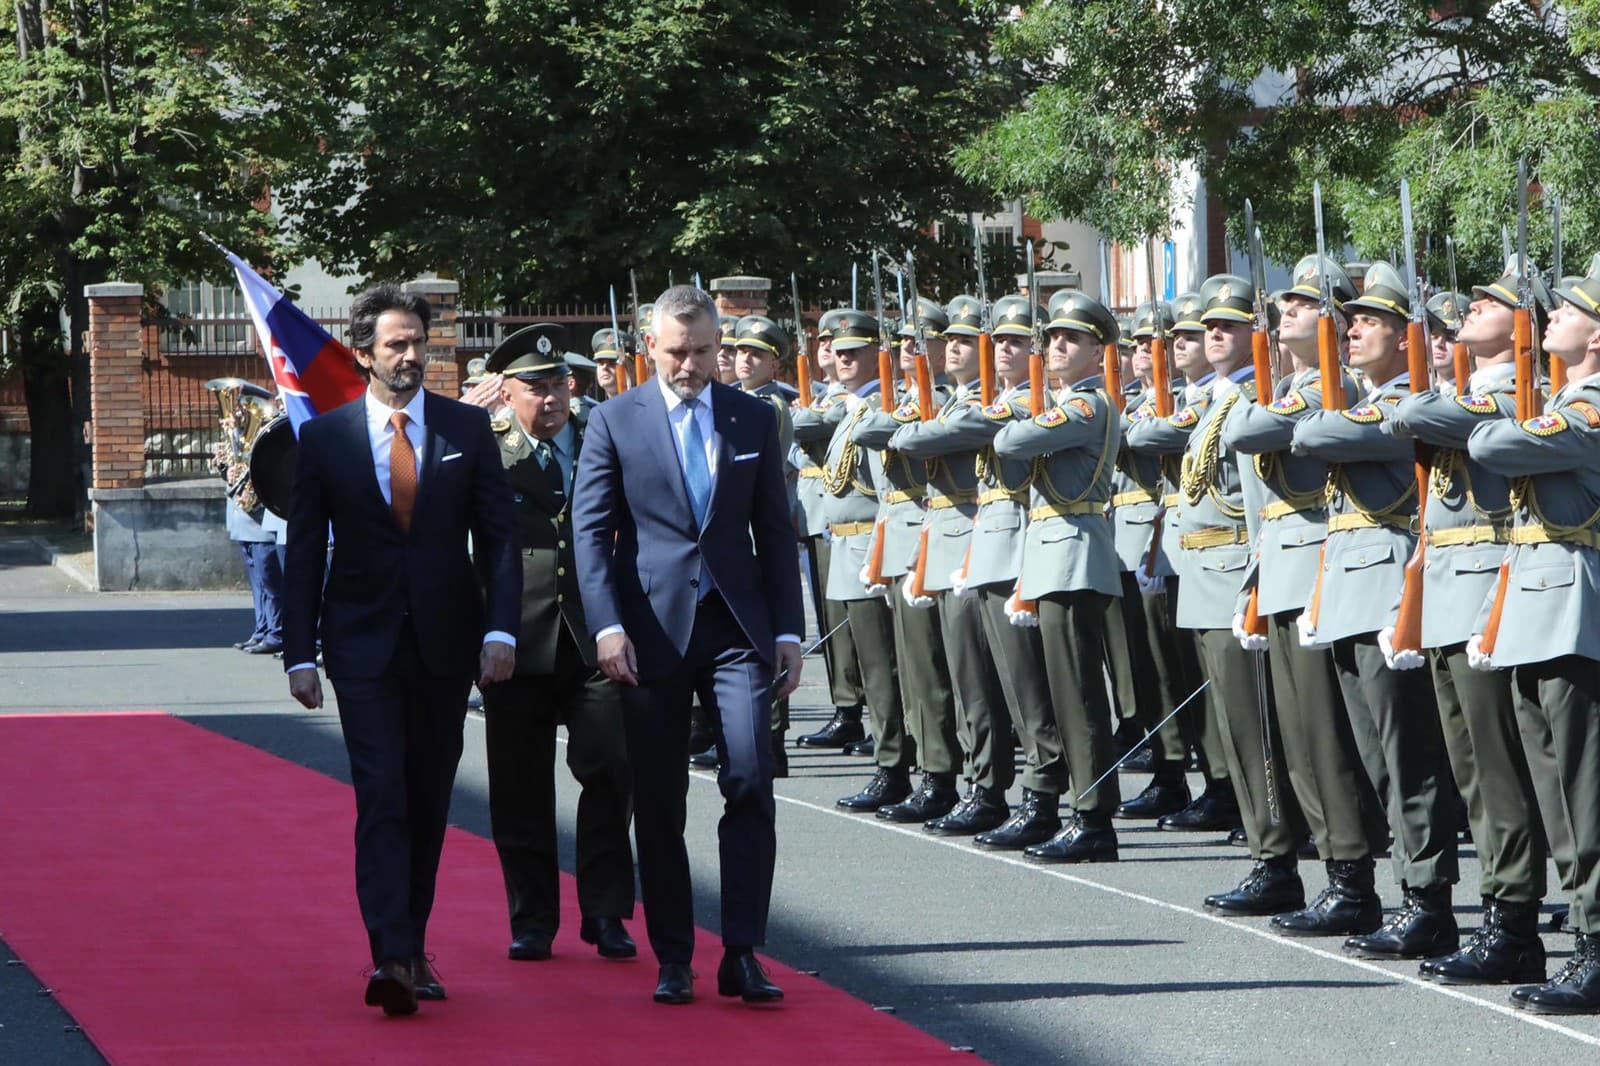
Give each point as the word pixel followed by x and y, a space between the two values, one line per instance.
pixel 402 473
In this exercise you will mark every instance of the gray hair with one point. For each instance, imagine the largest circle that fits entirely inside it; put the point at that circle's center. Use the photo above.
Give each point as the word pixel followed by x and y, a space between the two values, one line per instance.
pixel 684 303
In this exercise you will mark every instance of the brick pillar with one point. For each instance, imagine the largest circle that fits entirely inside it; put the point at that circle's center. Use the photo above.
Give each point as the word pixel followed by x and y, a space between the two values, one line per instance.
pixel 116 357
pixel 740 296
pixel 444 374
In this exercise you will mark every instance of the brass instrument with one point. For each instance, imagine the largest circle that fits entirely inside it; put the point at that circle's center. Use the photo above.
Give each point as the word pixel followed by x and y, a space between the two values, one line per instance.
pixel 243 408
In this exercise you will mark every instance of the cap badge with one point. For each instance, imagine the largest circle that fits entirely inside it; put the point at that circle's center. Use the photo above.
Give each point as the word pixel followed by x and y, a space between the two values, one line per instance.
pixel 543 344
pixel 1225 292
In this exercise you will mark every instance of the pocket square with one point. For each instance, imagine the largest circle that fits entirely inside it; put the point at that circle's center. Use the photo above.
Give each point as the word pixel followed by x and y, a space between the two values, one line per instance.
pixel 447 458
pixel 746 455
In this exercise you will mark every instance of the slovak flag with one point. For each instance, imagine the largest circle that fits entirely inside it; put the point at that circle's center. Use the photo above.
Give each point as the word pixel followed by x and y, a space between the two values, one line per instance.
pixel 314 372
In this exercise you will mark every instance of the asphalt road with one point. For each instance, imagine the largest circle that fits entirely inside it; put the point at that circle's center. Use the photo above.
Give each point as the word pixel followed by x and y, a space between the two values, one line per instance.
pixel 1023 964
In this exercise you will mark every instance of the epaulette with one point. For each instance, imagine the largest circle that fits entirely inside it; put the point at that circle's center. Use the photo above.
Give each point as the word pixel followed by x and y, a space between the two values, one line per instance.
pixel 1290 403
pixel 1589 412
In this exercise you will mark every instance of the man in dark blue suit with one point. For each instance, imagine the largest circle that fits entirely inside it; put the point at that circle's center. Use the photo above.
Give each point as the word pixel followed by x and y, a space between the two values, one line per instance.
pixel 401 476
pixel 691 585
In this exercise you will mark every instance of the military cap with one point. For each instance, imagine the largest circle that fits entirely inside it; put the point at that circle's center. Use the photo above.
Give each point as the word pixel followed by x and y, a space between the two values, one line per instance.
pixel 1382 290
pixel 1445 310
pixel 826 324
pixel 643 317
pixel 531 352
pixel 730 329
pixel 1186 308
pixel 1226 298
pixel 1308 281
pixel 965 315
pixel 759 331
pixel 1144 320
pixel 1583 293
pixel 1125 331
pixel 1011 317
pixel 1070 309
pixel 854 329
pixel 580 362
pixel 607 345
pixel 476 371
pixel 934 320
pixel 1505 289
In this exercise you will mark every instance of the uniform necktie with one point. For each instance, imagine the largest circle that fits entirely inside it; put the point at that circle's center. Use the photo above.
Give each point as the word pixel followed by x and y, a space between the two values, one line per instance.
pixel 402 473
pixel 552 468
pixel 696 474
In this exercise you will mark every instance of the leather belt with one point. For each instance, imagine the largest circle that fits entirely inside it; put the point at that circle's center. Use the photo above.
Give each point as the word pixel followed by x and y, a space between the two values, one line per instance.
pixel 850 529
pixel 1128 499
pixel 894 496
pixel 989 496
pixel 1214 537
pixel 1446 538
pixel 1283 509
pixel 1357 520
pixel 943 501
pixel 811 471
pixel 1062 510
pixel 1536 534
pixel 1170 500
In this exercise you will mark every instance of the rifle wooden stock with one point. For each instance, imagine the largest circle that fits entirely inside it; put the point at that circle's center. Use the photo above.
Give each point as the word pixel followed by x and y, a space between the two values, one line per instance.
pixel 1113 375
pixel 622 376
pixel 986 368
pixel 919 572
pixel 1261 358
pixel 924 389
pixel 641 368
pixel 886 379
pixel 1036 385
pixel 1160 373
pixel 1463 362
pixel 1558 375
pixel 1408 620
pixel 875 554
pixel 1529 402
pixel 1331 380
pixel 802 373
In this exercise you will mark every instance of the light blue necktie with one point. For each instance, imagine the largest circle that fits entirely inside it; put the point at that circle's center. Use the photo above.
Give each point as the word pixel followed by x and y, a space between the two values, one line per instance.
pixel 696 474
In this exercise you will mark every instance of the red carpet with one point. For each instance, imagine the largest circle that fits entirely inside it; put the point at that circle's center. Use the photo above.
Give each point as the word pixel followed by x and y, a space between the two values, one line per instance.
pixel 192 901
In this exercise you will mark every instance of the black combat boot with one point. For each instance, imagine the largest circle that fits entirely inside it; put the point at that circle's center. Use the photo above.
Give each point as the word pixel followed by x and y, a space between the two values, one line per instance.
pixel 886 787
pixel 983 809
pixel 1424 927
pixel 842 729
pixel 1087 838
pixel 1505 950
pixel 1347 907
pixel 1034 821
pixel 1160 797
pixel 1217 808
pixel 1575 990
pixel 1271 887
pixel 934 798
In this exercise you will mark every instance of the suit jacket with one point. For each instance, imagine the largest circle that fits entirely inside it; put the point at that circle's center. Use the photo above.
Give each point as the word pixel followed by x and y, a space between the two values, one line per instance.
pixel 638 549
pixel 378 574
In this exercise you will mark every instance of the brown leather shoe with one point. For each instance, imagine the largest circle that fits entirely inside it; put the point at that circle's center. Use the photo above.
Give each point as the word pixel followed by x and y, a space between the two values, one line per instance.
pixel 390 986
pixel 426 981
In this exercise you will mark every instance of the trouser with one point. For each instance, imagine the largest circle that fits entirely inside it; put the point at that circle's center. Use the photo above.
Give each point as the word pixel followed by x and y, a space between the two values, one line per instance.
pixel 1129 658
pixel 925 688
pixel 1072 631
pixel 872 626
pixel 734 684
pixel 1478 716
pixel 1242 685
pixel 1395 720
pixel 1319 750
pixel 984 725
pixel 839 651
pixel 1176 660
pixel 1539 749
pixel 402 731
pixel 1019 655
pixel 264 570
pixel 1566 694
pixel 520 719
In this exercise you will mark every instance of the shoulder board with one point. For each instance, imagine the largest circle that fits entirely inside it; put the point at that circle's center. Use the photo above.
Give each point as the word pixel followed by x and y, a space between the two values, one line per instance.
pixel 1364 413
pixel 1589 412
pixel 1000 411
pixel 500 425
pixel 1051 418
pixel 1391 397
pixel 1082 406
pixel 1290 403
pixel 908 412
pixel 1184 418
pixel 1546 425
pixel 1478 404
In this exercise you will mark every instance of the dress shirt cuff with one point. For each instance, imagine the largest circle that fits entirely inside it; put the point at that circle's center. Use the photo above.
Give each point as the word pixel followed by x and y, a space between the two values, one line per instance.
pixel 788 638
pixel 495 636
pixel 301 666
pixel 606 632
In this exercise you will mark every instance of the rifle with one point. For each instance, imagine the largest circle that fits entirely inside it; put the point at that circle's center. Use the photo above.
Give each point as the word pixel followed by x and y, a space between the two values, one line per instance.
pixel 1558 367
pixel 1112 357
pixel 1161 383
pixel 919 347
pixel 640 363
pixel 1036 394
pixel 802 353
pixel 985 340
pixel 1408 622
pixel 1458 351
pixel 1261 358
pixel 1330 377
pixel 900 295
pixel 886 398
pixel 616 336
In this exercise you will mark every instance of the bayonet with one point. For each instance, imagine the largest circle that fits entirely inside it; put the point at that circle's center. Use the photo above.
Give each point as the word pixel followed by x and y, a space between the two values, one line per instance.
pixel 986 388
pixel 802 352
pixel 697 281
pixel 983 286
pixel 1407 635
pixel 854 295
pixel 636 335
pixel 1458 352
pixel 616 338
pixel 1105 274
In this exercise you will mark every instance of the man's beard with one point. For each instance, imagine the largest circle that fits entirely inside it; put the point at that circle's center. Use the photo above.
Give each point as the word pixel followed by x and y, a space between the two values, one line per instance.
pixel 403 378
pixel 689 386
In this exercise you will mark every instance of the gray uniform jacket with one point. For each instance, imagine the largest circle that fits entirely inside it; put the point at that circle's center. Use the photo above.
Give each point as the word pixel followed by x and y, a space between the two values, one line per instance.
pixel 1372 488
pixel 952 476
pixel 1554 587
pixel 813 430
pixel 851 474
pixel 1069 545
pixel 1137 488
pixel 902 484
pixel 1468 505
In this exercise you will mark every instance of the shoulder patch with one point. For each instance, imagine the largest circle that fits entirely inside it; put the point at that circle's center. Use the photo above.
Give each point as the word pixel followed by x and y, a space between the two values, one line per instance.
pixel 1364 413
pixel 1139 414
pixel 1184 418
pixel 1051 418
pixel 1290 403
pixel 1082 406
pixel 1590 414
pixel 1546 425
pixel 1390 398
pixel 1478 404
pixel 908 412
pixel 1000 411
pixel 824 403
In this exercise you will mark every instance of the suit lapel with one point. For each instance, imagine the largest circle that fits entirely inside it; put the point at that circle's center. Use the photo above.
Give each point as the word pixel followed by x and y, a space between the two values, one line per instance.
pixel 355 429
pixel 663 448
pixel 434 444
pixel 727 428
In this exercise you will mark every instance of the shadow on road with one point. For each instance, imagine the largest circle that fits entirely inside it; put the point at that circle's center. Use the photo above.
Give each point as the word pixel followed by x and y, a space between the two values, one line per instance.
pixel 879 950
pixel 968 994
pixel 112 630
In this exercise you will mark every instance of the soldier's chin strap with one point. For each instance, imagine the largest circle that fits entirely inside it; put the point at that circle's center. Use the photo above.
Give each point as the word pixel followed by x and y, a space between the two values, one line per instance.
pixel 1142 742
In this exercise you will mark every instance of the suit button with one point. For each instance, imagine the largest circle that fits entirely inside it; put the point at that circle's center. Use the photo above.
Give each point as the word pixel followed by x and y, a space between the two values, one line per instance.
pixel 561 544
pixel 561 571
pixel 694 582
pixel 560 597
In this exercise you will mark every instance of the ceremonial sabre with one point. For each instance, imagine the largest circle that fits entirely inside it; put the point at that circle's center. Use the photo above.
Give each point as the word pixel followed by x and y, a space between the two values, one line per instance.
pixel 784 673
pixel 1142 741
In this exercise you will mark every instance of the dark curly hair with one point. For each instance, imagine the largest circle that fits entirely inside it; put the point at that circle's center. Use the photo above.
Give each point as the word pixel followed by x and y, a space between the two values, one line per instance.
pixel 369 305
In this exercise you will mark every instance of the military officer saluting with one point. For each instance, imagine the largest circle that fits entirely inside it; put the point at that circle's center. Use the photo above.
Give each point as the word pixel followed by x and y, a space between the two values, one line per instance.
pixel 556 681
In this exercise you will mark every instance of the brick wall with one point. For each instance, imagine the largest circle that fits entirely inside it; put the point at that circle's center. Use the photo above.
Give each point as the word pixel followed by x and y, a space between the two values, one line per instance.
pixel 116 354
pixel 444 370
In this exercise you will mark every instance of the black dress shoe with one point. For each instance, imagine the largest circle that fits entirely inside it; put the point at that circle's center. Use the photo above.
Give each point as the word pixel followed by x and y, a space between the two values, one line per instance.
pixel 1217 808
pixel 265 647
pixel 1349 906
pixel 676 984
pixel 1078 842
pixel 1035 821
pixel 865 747
pixel 1272 886
pixel 982 810
pixel 1505 950
pixel 843 729
pixel 1238 838
pixel 531 946
pixel 934 798
pixel 1159 798
pixel 247 643
pixel 1142 761
pixel 390 986
pixel 705 760
pixel 741 975
pixel 425 980
pixel 609 936
pixel 1575 990
pixel 886 787
pixel 1423 927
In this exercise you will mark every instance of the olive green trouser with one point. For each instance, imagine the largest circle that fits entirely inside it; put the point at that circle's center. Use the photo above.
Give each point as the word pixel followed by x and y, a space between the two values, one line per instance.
pixel 839 650
pixel 925 690
pixel 1019 655
pixel 1129 659
pixel 984 726
pixel 1176 659
pixel 1072 630
pixel 872 625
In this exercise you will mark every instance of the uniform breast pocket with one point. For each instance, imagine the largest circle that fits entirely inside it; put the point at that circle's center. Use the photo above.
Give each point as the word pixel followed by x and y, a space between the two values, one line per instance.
pixel 1303 537
pixel 1056 532
pixel 1364 556
pixel 1478 560
pixel 1001 523
pixel 1136 518
pixel 1541 575
pixel 1223 562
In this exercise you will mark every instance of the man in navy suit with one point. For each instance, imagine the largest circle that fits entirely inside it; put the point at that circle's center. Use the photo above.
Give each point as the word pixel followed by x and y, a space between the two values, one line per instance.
pixel 691 585
pixel 401 476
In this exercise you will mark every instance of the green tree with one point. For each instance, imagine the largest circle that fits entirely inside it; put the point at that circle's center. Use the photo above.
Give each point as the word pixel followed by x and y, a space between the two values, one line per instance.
pixel 126 129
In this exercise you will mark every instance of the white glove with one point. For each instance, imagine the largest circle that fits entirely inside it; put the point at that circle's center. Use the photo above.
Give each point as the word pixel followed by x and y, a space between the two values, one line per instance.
pixel 913 600
pixel 1398 660
pixel 1475 654
pixel 866 579
pixel 1247 641
pixel 1149 582
pixel 1308 632
pixel 1024 619
pixel 958 583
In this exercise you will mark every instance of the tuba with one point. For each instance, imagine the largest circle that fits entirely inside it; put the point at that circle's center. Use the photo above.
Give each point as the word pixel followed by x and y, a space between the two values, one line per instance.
pixel 243 408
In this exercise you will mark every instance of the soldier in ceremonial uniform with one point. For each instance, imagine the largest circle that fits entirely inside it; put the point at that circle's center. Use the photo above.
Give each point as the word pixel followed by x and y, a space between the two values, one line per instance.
pixel 556 681
pixel 610 359
pixel 1372 510
pixel 1214 536
pixel 726 353
pixel 1539 620
pixel 1069 565
pixel 1446 311
pixel 1288 494
pixel 948 447
pixel 580 380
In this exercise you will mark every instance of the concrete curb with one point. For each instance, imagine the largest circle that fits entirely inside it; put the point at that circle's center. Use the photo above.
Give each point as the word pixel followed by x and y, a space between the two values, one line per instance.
pixel 64 563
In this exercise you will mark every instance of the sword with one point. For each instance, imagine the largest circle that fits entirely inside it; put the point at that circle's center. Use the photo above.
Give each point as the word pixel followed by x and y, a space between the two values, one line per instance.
pixel 1142 741
pixel 1268 766
pixel 783 674
pixel 854 271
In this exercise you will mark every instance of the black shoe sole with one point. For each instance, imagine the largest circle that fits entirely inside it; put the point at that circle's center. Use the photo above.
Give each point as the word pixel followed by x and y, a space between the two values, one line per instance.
pixel 1074 860
pixel 1449 979
pixel 673 1000
pixel 754 998
pixel 1254 912
pixel 960 831
pixel 1396 956
pixel 392 996
pixel 431 993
